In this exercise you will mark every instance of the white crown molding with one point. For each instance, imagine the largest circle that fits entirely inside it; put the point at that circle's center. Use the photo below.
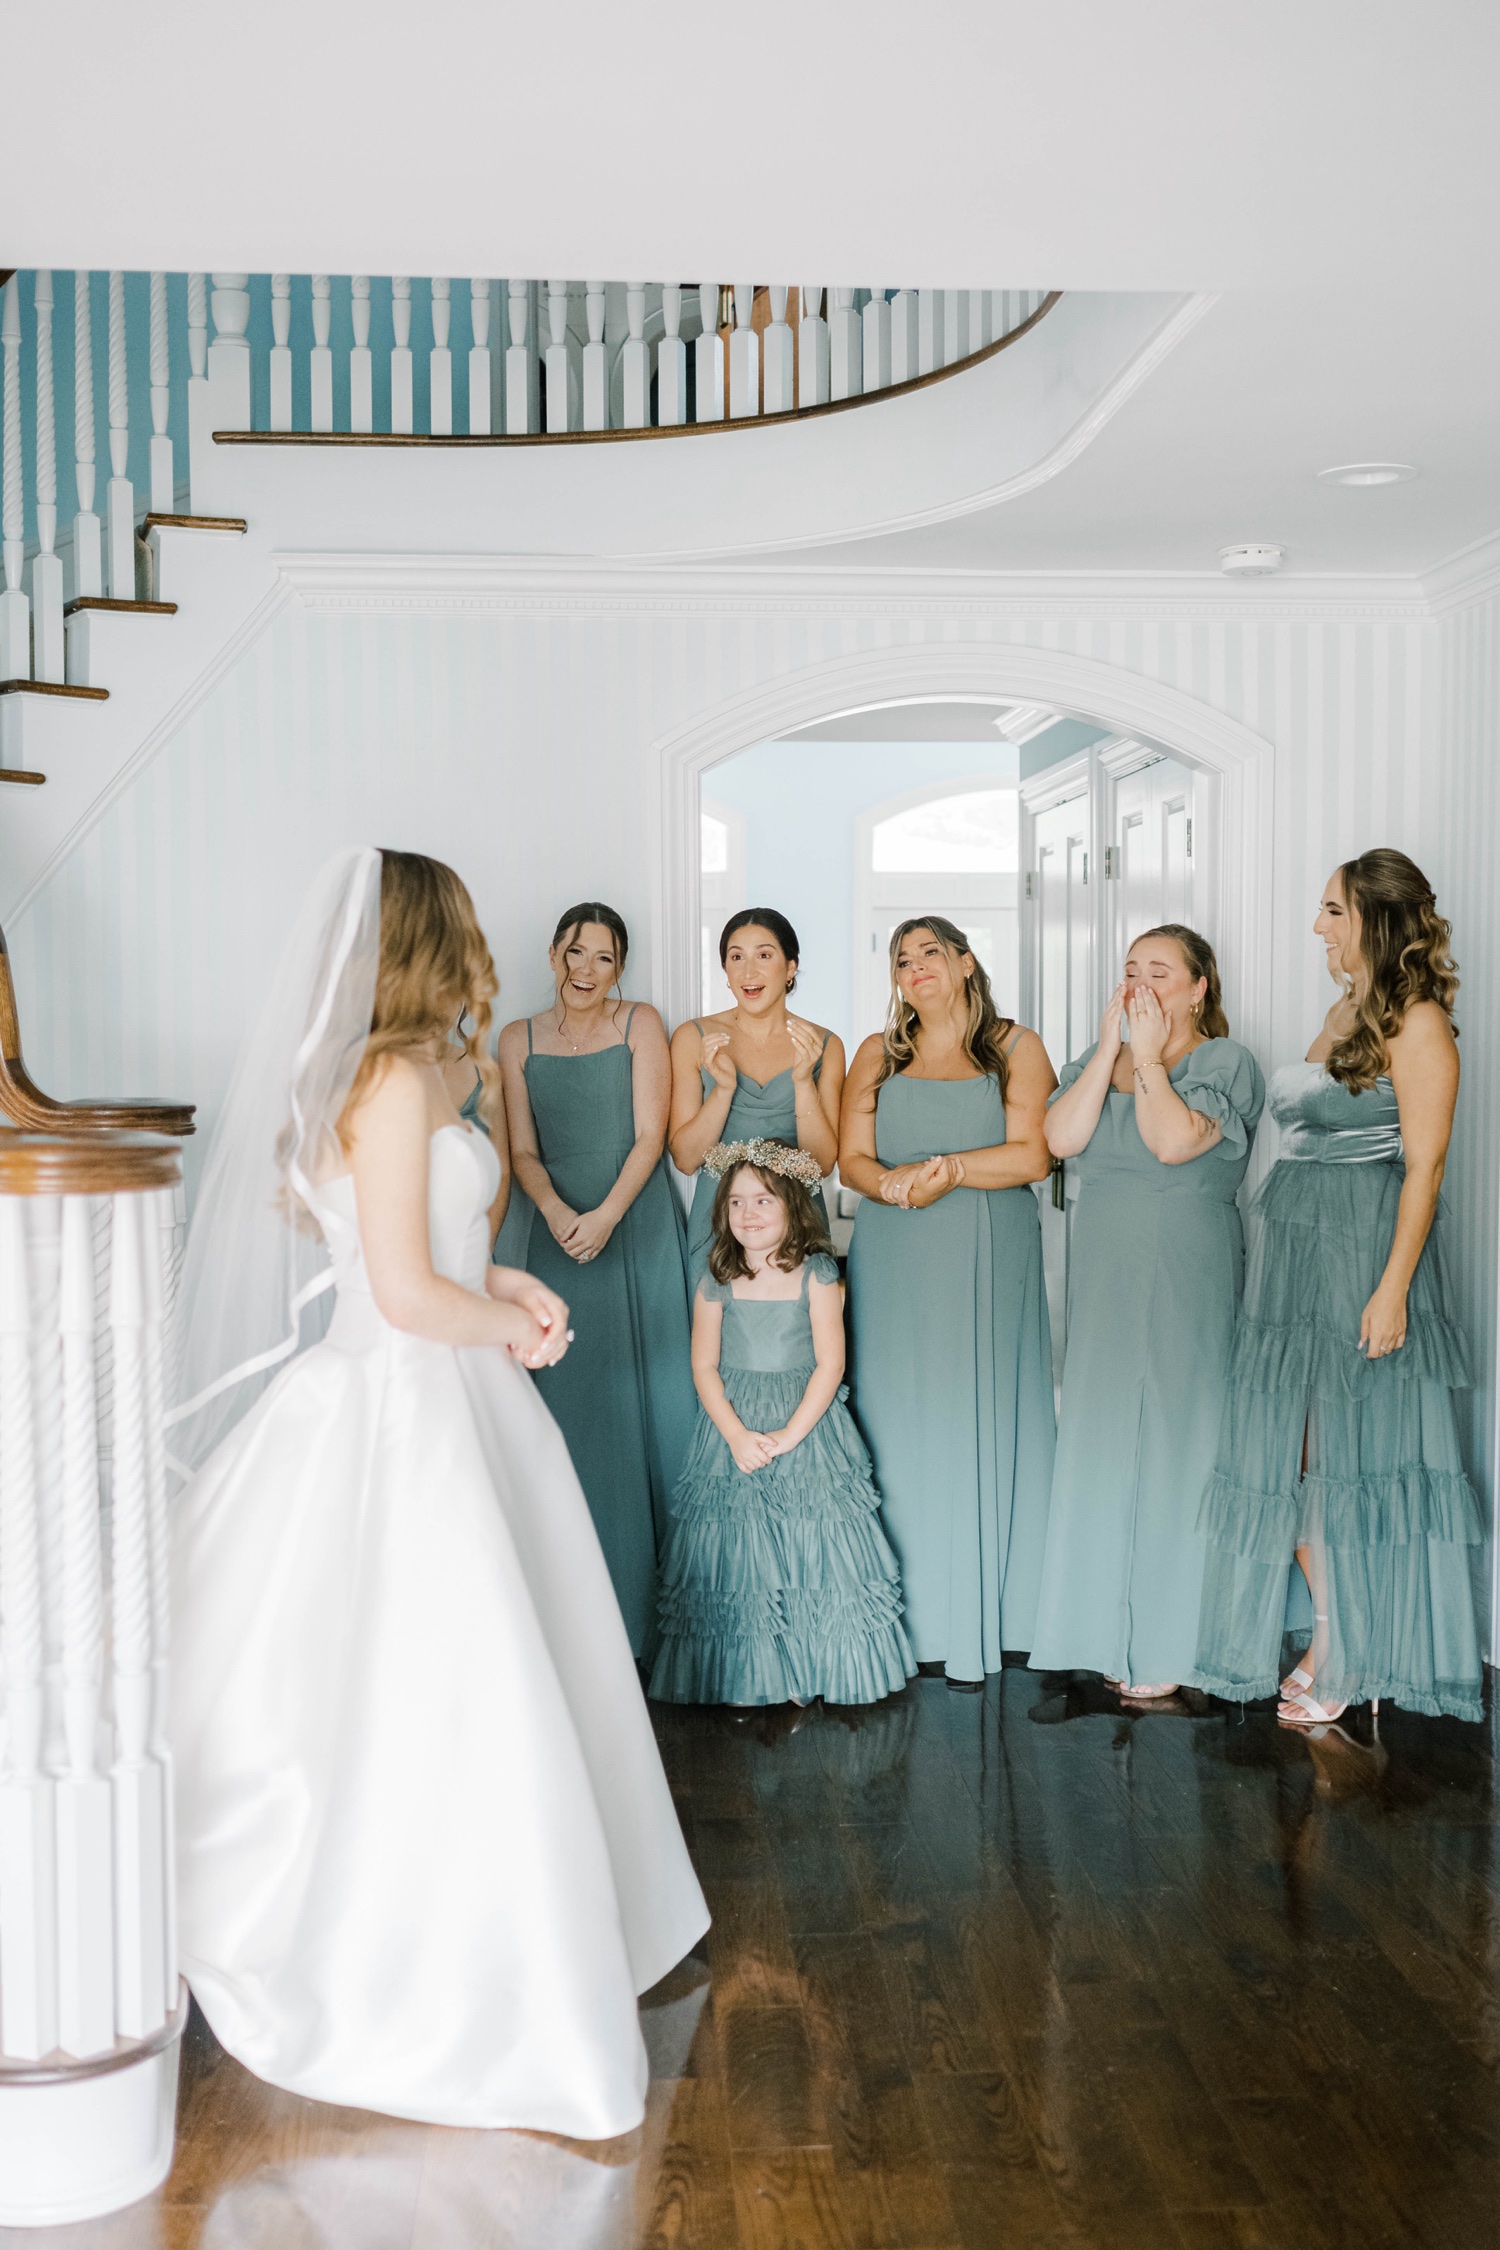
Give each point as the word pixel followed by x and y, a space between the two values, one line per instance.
pixel 1059 784
pixel 1459 580
pixel 448 585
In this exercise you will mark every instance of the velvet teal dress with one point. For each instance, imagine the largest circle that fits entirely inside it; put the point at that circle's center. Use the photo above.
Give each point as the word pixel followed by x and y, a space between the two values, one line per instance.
pixel 757 1113
pixel 623 1396
pixel 1384 1503
pixel 952 1378
pixel 779 1582
pixel 1156 1267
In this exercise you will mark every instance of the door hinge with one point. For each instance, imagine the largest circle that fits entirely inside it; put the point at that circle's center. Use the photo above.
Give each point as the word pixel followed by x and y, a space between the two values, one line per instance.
pixel 1190 838
pixel 1085 868
pixel 1030 883
pixel 1111 863
pixel 1059 1185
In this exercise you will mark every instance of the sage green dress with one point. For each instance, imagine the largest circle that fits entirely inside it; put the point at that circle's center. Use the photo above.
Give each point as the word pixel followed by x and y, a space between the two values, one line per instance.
pixel 1155 1269
pixel 779 1582
pixel 623 1397
pixel 1357 1459
pixel 952 1379
pixel 757 1113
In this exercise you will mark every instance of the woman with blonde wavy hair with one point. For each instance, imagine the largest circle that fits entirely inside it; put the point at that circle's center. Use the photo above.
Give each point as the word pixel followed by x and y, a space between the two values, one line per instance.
pixel 942 1132
pixel 1339 1442
pixel 428 1857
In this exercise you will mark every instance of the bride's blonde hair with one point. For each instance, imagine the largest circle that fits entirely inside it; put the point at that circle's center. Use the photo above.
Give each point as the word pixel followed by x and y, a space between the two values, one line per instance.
pixel 435 972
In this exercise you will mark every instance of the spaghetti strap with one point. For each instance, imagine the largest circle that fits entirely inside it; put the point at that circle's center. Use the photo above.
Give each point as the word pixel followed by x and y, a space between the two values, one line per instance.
pixel 1014 1043
pixel 629 1020
pixel 529 1047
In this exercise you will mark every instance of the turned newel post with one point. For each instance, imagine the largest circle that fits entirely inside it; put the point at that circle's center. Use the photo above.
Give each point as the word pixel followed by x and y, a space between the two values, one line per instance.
pixel 812 349
pixel 440 379
pixel 708 357
pixel 671 361
pixel 88 550
pixel 91 2008
pixel 48 652
pixel 15 610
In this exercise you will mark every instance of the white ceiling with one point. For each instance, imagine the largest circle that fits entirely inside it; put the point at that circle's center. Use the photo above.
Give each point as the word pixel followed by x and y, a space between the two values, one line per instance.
pixel 1166 144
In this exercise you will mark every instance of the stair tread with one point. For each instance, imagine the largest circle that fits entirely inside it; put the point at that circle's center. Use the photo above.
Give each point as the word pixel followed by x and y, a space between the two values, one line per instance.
pixel 196 523
pixel 53 687
pixel 103 601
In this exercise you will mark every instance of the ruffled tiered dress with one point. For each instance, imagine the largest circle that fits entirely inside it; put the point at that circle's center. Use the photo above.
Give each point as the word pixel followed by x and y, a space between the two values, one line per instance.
pixel 1391 1519
pixel 778 1583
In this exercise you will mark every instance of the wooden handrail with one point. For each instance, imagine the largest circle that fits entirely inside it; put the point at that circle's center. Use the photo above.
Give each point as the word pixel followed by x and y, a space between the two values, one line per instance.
pixel 87 1164
pixel 35 1112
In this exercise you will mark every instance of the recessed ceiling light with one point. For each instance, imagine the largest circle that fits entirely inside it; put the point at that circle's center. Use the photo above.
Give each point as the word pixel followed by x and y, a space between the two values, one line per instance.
pixel 1253 560
pixel 1369 472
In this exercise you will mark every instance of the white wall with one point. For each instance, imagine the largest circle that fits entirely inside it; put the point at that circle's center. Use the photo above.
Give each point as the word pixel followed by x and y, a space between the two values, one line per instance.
pixel 513 736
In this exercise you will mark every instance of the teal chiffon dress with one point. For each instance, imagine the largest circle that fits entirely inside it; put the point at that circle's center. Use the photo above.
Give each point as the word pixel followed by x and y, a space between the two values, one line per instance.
pixel 1384 1504
pixel 623 1397
pixel 778 1583
pixel 757 1113
pixel 1156 1266
pixel 952 1367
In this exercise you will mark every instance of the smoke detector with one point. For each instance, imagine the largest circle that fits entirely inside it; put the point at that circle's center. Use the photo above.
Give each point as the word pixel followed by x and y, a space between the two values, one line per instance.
pixel 1369 472
pixel 1255 560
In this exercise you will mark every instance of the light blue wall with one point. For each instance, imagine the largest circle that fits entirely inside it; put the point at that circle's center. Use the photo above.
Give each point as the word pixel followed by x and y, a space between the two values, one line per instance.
pixel 801 801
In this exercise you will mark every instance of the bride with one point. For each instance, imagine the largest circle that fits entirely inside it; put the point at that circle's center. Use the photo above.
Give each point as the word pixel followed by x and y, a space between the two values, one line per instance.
pixel 427 1854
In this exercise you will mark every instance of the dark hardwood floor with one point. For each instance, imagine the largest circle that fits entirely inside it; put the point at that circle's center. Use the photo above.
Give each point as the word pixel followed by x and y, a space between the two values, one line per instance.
pixel 1008 1971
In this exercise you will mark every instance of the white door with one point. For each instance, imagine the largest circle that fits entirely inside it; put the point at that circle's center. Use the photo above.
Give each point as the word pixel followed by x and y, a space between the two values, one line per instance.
pixel 1061 894
pixel 1154 869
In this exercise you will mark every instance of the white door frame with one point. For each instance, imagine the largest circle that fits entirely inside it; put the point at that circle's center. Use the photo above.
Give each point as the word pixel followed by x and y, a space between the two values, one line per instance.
pixel 1058 785
pixel 1156 714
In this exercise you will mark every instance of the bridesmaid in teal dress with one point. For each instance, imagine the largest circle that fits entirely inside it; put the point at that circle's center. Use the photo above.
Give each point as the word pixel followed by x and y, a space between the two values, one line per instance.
pixel 943 1134
pixel 754 1071
pixel 586 1087
pixel 1339 1439
pixel 1159 1134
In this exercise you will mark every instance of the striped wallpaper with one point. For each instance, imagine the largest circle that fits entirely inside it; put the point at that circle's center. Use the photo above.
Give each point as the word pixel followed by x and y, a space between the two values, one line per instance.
pixel 511 739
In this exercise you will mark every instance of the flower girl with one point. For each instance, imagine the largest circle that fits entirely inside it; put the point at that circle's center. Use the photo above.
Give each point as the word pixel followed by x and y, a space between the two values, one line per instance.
pixel 779 1584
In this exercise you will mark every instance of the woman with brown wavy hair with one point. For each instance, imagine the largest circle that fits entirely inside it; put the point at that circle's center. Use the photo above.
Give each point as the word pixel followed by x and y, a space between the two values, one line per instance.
pixel 1339 1441
pixel 942 1134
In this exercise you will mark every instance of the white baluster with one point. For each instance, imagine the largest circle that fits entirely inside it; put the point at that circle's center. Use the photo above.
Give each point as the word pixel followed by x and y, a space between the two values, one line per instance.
pixel 401 410
pixel 671 361
pixel 635 360
pixel 136 1777
pixel 520 392
pixel 86 1975
pixel 845 356
pixel 744 356
pixel 778 355
pixel 119 498
pixel 281 351
pixel 708 358
pixel 929 331
pixel 905 356
pixel 48 647
pixel 559 358
pixel 320 368
pixel 595 359
pixel 479 359
pixel 875 341
pixel 28 1885
pixel 361 365
pixel 955 325
pixel 812 349
pixel 163 492
pixel 229 353
pixel 200 401
pixel 980 330
pixel 88 553
pixel 440 375
pixel 15 610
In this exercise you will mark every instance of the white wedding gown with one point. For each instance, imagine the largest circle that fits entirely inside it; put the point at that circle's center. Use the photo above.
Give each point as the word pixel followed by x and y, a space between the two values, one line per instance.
pixel 427 1854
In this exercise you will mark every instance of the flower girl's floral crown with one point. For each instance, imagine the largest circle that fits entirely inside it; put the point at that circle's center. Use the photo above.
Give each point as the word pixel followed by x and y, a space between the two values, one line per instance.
pixel 768 1156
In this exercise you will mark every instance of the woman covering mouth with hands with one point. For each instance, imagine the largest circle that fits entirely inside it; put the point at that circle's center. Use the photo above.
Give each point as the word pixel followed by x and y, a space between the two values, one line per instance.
pixel 755 1071
pixel 1158 1130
